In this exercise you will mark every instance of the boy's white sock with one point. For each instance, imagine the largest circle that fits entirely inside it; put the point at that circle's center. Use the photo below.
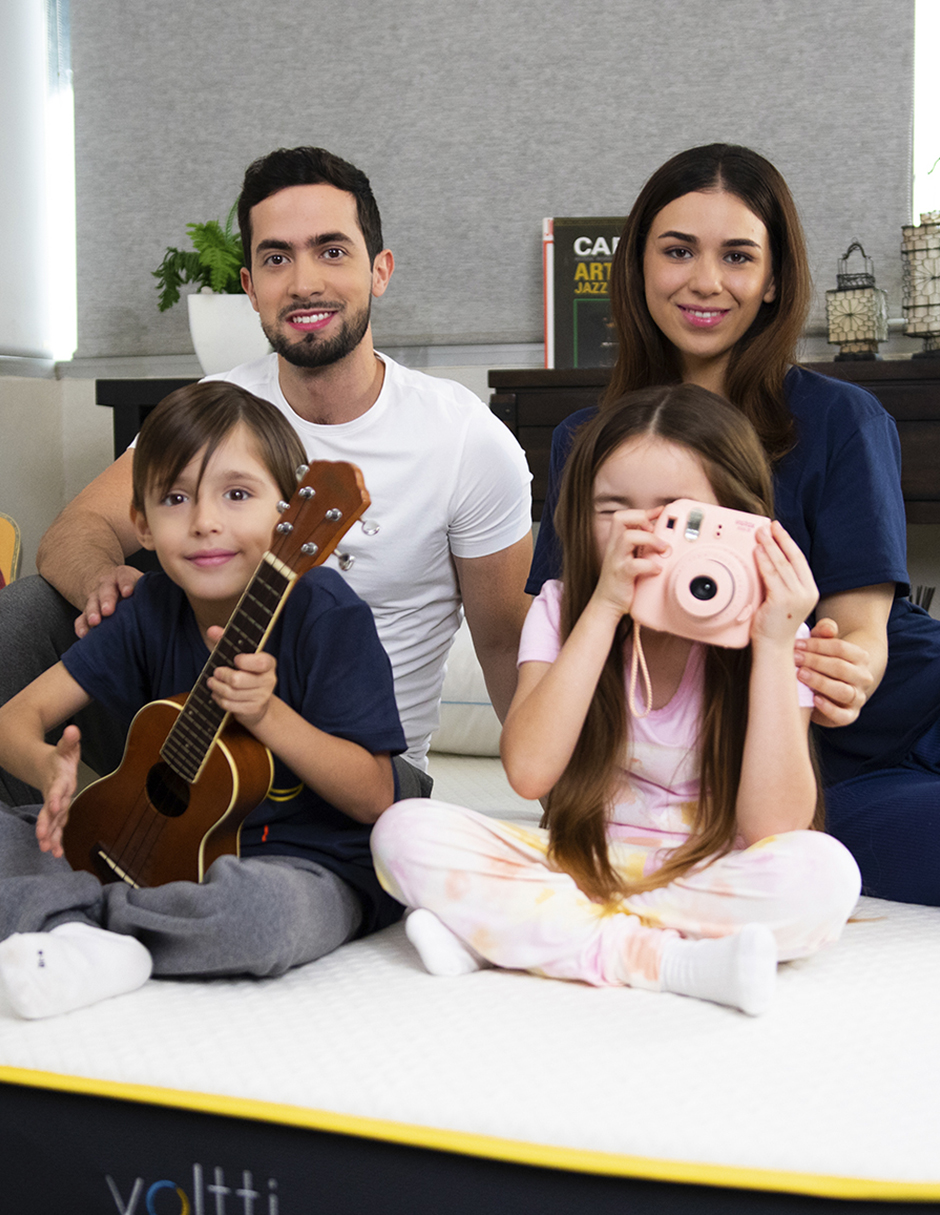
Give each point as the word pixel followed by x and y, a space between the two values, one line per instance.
pixel 442 951
pixel 76 964
pixel 740 970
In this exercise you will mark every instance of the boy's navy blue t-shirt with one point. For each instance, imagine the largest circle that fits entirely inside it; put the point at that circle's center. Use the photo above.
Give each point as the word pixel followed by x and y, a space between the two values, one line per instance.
pixel 838 494
pixel 331 669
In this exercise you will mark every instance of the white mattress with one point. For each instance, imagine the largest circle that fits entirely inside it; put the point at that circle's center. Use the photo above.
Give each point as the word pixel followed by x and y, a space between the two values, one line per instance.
pixel 834 1092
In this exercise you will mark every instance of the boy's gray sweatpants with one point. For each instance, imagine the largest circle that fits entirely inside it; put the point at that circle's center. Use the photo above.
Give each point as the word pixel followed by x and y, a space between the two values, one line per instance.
pixel 259 916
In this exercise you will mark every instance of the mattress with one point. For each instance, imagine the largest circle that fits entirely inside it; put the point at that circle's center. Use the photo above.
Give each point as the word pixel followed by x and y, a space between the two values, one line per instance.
pixel 833 1094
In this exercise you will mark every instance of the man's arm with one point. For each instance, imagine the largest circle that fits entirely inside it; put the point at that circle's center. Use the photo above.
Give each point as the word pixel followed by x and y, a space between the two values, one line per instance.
pixel 83 551
pixel 495 603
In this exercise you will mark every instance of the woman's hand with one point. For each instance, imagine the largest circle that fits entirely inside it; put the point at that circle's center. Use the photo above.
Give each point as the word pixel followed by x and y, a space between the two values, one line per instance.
pixel 838 672
pixel 845 656
pixel 629 553
pixel 790 591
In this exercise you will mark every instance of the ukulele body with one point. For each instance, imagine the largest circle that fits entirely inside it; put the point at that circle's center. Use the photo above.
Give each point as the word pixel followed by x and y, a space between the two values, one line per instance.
pixel 145 825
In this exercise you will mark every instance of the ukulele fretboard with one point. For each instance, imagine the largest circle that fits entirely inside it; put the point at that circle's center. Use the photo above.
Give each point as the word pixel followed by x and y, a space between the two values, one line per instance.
pixel 200 721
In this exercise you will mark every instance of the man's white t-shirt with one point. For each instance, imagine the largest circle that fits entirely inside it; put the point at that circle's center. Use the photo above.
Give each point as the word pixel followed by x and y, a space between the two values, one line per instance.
pixel 445 477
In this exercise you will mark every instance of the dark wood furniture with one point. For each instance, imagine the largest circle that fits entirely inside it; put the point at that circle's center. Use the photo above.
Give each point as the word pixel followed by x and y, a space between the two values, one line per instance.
pixel 131 401
pixel 533 402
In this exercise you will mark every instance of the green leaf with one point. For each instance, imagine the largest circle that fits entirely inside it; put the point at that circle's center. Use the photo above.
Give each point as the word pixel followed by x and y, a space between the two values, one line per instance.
pixel 220 253
pixel 178 267
pixel 215 261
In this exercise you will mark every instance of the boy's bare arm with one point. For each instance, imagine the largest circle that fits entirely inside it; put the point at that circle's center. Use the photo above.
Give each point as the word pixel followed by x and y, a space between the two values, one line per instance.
pixel 82 553
pixel 344 774
pixel 24 723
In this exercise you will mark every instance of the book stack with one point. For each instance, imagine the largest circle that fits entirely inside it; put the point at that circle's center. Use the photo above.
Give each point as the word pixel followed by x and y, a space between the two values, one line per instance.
pixel 576 258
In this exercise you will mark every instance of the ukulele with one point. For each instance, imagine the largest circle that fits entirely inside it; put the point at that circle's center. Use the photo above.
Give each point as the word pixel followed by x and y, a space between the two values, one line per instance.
pixel 191 774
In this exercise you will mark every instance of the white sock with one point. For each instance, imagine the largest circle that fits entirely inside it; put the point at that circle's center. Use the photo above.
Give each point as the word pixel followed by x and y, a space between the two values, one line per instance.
pixel 740 970
pixel 442 951
pixel 76 964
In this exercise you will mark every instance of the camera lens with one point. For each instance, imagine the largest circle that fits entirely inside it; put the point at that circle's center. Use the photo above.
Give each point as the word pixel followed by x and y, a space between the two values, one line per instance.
pixel 703 587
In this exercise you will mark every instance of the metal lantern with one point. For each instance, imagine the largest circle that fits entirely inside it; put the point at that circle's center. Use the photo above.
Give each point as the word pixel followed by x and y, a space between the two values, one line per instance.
pixel 857 311
pixel 920 251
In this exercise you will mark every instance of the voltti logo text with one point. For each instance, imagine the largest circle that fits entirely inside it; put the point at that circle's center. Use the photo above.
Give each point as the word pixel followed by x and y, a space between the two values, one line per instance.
pixel 203 1198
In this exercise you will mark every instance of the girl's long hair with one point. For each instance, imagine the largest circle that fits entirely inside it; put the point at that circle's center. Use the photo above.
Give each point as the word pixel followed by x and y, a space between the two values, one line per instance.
pixel 579 804
pixel 759 361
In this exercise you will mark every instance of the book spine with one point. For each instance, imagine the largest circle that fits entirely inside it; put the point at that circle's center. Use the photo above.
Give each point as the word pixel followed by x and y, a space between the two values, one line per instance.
pixel 548 288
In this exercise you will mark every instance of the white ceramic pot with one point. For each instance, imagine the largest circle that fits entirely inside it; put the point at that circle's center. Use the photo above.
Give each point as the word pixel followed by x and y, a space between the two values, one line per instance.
pixel 225 330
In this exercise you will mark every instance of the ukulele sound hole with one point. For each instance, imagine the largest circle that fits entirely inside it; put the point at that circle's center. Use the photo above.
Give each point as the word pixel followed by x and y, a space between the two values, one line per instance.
pixel 168 793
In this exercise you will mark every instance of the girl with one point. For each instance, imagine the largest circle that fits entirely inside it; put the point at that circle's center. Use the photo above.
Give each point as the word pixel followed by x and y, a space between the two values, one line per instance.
pixel 682 862
pixel 710 286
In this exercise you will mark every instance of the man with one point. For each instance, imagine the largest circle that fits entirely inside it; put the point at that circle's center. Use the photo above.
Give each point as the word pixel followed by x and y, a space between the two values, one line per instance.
pixel 449 484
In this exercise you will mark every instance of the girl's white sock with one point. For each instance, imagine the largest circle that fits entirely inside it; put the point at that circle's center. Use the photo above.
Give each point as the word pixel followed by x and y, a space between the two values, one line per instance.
pixel 740 970
pixel 76 964
pixel 442 951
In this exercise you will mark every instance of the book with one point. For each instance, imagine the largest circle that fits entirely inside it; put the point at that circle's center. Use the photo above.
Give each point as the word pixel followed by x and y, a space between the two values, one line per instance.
pixel 576 258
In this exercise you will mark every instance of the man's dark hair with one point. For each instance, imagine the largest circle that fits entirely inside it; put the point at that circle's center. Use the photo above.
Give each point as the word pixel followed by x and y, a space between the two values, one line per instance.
pixel 308 167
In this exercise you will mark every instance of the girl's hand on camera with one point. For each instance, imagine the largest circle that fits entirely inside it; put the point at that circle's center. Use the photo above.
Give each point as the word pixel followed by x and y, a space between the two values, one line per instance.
pixel 630 552
pixel 791 593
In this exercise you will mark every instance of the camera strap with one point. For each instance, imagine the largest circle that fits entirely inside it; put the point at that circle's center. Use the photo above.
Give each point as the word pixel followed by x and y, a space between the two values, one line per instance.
pixel 638 659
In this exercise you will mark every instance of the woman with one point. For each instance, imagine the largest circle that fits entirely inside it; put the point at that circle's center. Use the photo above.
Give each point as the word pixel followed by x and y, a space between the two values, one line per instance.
pixel 710 286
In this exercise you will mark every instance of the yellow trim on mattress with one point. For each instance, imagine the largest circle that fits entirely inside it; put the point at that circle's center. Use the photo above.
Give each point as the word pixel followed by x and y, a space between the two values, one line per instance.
pixel 513 1151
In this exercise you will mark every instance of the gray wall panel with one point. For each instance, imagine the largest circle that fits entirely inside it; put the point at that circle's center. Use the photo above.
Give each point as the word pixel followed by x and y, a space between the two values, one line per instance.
pixel 473 120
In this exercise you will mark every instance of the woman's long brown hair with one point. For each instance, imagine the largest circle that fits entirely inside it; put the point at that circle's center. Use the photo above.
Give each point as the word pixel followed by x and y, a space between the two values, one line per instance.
pixel 761 358
pixel 578 806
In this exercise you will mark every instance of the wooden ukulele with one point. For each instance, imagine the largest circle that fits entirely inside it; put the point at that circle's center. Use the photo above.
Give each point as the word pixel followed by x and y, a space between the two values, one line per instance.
pixel 191 774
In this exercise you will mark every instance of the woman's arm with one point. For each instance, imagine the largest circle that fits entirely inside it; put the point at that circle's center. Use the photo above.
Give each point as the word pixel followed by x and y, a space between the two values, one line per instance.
pixel 777 788
pixel 845 657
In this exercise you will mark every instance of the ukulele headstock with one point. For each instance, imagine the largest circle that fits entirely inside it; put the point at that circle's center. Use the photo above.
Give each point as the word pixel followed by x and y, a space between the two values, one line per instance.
pixel 329 499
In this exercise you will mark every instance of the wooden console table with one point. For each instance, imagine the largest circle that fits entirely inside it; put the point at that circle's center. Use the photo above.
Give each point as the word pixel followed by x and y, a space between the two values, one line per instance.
pixel 533 402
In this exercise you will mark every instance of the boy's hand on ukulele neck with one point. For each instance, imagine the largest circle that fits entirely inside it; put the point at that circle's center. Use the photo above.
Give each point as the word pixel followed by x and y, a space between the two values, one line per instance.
pixel 58 790
pixel 245 691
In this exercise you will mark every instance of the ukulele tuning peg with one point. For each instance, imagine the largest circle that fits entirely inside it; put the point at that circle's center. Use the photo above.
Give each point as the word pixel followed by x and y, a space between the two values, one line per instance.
pixel 307 492
pixel 346 561
pixel 333 515
pixel 309 549
pixel 282 506
pixel 369 527
pixel 301 471
pixel 284 529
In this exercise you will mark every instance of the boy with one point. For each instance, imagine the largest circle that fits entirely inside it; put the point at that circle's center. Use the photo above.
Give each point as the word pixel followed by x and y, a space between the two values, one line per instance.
pixel 211 464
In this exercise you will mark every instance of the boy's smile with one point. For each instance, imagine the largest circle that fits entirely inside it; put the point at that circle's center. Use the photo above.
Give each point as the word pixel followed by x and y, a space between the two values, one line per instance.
pixel 210 533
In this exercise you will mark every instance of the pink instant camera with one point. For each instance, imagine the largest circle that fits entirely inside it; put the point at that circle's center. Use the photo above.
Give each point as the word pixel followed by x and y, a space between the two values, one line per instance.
pixel 709 587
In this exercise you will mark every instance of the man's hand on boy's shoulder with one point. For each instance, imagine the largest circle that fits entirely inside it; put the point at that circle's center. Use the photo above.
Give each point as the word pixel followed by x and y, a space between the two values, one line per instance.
pixel 115 583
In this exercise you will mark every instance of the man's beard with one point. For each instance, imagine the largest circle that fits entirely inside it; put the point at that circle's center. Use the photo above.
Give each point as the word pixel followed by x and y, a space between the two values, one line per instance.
pixel 310 350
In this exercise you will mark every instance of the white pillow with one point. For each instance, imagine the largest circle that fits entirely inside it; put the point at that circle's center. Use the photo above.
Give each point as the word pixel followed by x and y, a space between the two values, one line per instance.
pixel 469 725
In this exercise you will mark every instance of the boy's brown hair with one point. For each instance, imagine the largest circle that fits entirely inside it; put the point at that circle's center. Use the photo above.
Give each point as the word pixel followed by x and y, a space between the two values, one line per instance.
pixel 201 416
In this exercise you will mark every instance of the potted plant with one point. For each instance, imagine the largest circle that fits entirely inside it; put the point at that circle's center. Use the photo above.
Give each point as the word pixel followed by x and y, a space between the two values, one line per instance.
pixel 223 325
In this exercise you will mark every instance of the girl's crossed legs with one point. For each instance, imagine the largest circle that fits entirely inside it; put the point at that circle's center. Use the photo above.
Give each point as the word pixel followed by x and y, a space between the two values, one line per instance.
pixel 489 883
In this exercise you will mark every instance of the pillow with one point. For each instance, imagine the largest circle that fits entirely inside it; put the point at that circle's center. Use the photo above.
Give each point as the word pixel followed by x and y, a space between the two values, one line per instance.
pixel 469 725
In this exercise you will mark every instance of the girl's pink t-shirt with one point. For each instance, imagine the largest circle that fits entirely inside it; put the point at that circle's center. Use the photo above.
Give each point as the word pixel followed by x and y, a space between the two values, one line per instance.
pixel 657 794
